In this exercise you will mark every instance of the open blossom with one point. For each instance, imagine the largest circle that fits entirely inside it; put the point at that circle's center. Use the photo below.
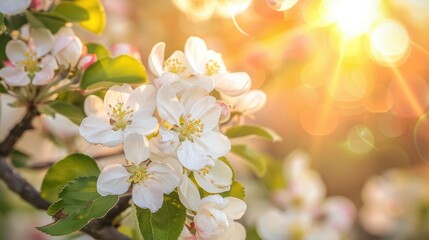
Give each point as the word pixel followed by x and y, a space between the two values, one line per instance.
pixel 176 63
pixel 29 62
pixel 67 47
pixel 123 112
pixel 149 181
pixel 13 6
pixel 189 127
pixel 248 103
pixel 209 63
pixel 215 220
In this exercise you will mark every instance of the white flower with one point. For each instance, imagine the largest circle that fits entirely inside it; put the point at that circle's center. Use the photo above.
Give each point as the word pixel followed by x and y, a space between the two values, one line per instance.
pixel 60 126
pixel 290 225
pixel 67 47
pixel 215 219
pixel 9 116
pixel 190 123
pixel 13 6
pixel 149 181
pixel 206 62
pixel 248 103
pixel 29 61
pixel 214 179
pixel 176 63
pixel 124 111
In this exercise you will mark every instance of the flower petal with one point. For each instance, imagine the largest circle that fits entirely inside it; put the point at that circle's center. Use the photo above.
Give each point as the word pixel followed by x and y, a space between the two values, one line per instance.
pixel 43 40
pixel 44 76
pixel 196 52
pixel 164 176
pixel 234 84
pixel 96 130
pixel 16 50
pixel 156 59
pixel 49 61
pixel 192 156
pixel 116 94
pixel 142 100
pixel 249 102
pixel 208 111
pixel 217 180
pixel 188 194
pixel 148 198
pixel 14 76
pixel 11 7
pixel 93 105
pixel 214 144
pixel 234 207
pixel 272 225
pixel 113 180
pixel 178 64
pixel 142 125
pixel 136 148
pixel 169 107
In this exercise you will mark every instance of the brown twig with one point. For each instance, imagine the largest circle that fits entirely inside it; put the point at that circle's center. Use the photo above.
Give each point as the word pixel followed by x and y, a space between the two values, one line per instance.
pixel 97 228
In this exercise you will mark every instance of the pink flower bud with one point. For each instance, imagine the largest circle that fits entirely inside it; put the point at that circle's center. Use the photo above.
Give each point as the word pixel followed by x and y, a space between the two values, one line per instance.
pixel 36 5
pixel 87 60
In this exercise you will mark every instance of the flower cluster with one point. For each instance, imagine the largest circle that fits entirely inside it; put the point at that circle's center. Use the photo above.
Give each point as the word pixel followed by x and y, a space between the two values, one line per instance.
pixel 172 136
pixel 395 204
pixel 304 212
pixel 35 55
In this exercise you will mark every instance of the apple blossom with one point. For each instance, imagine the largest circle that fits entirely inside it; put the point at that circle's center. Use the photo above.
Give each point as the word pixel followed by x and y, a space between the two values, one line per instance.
pixel 67 47
pixel 30 61
pixel 215 219
pixel 209 63
pixel 11 7
pixel 190 124
pixel 86 61
pixel 176 63
pixel 248 103
pixel 149 181
pixel 41 5
pixel 124 111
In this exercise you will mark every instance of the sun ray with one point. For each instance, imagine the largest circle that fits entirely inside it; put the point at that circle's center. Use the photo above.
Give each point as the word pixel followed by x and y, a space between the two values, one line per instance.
pixel 419 47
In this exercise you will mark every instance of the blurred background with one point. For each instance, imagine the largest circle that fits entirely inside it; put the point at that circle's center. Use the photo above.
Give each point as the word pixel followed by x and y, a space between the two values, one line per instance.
pixel 346 80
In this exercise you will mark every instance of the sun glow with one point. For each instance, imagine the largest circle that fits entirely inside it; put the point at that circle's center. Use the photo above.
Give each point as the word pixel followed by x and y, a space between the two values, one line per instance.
pixel 353 18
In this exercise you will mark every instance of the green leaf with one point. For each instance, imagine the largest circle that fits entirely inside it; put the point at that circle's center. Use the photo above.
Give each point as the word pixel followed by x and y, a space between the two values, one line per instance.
pixel 79 203
pixel 97 17
pixel 167 223
pixel 65 170
pixel 72 12
pixel 99 50
pixel 2 24
pixel 248 130
pixel 4 39
pixel 237 190
pixel 3 88
pixel 19 159
pixel 72 112
pixel 110 71
pixel 52 21
pixel 253 158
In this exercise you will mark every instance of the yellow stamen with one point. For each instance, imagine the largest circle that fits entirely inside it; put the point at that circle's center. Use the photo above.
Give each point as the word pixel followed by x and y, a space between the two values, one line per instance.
pixel 120 116
pixel 212 67
pixel 174 65
pixel 138 175
pixel 189 129
pixel 30 64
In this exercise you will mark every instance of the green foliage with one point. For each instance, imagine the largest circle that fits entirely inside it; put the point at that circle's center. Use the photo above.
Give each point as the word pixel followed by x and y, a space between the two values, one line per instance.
pixel 167 223
pixel 72 112
pixel 97 17
pixel 19 159
pixel 253 158
pixel 237 190
pixel 79 203
pixel 67 169
pixel 72 12
pixel 52 21
pixel 248 130
pixel 3 88
pixel 110 71
pixel 99 50
pixel 4 39
pixel 2 24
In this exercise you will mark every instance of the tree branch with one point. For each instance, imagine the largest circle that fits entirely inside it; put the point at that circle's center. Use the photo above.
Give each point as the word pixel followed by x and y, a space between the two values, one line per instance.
pixel 97 228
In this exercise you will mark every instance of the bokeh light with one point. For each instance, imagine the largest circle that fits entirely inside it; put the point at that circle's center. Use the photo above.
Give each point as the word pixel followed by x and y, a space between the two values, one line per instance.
pixel 360 140
pixel 421 137
pixel 389 42
pixel 281 5
pixel 318 122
